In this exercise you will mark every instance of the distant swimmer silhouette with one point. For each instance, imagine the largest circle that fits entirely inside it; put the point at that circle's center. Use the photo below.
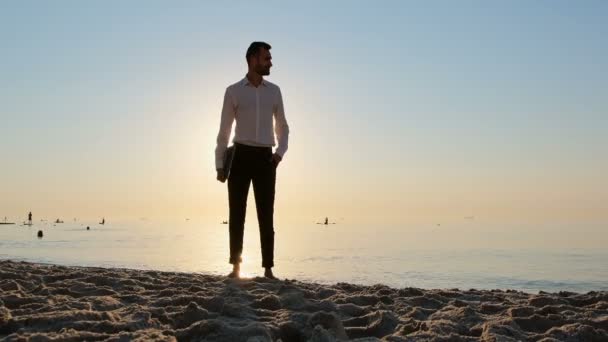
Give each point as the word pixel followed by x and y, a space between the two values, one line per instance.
pixel 253 103
pixel 103 220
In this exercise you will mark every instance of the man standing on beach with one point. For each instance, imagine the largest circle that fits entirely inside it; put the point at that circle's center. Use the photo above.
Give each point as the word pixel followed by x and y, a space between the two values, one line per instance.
pixel 253 102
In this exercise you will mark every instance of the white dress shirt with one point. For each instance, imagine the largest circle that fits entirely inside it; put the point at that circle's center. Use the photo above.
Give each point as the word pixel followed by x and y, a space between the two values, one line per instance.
pixel 253 108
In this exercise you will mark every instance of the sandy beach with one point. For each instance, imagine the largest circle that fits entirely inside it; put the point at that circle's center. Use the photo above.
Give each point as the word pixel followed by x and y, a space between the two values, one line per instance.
pixel 56 303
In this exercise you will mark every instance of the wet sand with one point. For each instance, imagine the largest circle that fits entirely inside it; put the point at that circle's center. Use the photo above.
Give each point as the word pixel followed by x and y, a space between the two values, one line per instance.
pixel 56 303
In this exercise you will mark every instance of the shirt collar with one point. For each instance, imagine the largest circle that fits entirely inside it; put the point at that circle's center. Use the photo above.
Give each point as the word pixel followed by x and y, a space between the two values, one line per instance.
pixel 245 82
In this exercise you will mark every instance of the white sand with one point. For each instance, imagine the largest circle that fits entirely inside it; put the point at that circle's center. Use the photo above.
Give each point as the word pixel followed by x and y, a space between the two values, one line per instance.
pixel 56 303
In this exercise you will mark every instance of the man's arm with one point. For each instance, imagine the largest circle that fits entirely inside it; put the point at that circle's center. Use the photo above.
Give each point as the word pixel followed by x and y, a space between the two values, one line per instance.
pixel 281 127
pixel 228 115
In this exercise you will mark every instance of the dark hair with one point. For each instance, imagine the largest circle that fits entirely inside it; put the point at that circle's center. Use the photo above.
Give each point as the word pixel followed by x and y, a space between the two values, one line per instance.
pixel 254 48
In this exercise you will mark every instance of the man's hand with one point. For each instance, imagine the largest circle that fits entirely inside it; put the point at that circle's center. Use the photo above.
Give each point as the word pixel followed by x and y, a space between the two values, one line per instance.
pixel 220 175
pixel 276 159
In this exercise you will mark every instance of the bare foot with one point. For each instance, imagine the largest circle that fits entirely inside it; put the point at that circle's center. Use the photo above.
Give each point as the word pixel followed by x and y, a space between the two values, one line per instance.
pixel 235 271
pixel 268 274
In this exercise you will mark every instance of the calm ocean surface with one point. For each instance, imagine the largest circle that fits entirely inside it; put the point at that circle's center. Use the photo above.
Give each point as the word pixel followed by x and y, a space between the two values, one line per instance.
pixel 448 256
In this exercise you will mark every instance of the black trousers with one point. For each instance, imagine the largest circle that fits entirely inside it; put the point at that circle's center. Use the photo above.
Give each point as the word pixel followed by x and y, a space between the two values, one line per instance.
pixel 252 164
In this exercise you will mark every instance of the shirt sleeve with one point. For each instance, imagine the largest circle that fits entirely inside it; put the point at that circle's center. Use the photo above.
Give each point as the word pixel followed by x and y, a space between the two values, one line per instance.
pixel 281 127
pixel 228 115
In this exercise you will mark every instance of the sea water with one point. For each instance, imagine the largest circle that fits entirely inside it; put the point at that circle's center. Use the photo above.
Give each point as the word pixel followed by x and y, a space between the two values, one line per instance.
pixel 460 256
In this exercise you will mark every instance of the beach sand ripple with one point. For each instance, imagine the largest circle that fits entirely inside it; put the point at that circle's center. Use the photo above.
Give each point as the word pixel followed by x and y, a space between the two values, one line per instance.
pixel 40 302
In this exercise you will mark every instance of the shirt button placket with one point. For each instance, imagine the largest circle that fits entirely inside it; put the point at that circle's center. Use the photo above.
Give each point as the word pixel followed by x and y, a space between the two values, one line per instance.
pixel 257 113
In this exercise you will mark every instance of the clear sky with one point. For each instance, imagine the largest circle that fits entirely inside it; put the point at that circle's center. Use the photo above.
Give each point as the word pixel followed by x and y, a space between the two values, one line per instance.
pixel 399 111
